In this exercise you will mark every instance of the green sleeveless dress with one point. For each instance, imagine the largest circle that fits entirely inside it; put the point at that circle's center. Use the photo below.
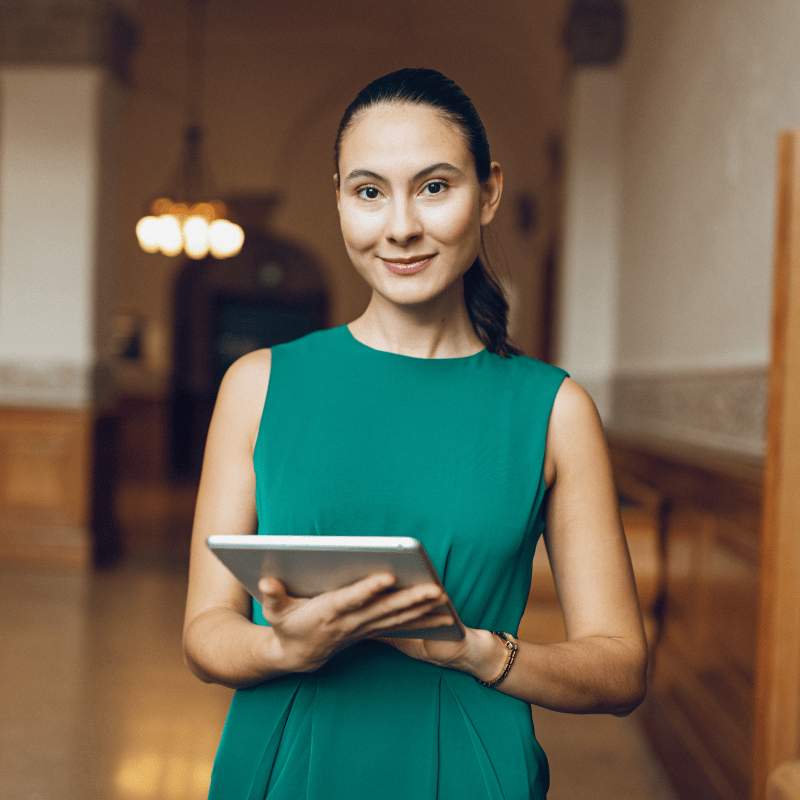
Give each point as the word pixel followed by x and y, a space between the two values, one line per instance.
pixel 450 451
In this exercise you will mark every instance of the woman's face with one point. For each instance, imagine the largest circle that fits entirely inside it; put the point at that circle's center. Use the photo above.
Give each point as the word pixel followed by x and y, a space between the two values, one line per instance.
pixel 410 203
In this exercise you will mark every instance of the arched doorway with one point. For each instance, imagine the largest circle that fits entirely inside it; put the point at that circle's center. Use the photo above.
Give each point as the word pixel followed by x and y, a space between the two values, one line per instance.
pixel 271 292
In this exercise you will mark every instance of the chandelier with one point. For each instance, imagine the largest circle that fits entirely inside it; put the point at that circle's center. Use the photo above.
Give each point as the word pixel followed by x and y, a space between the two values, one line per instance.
pixel 191 223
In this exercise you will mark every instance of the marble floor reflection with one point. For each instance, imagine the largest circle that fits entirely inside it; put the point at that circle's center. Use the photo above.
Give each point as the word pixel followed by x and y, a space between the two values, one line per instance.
pixel 97 704
pixel 96 701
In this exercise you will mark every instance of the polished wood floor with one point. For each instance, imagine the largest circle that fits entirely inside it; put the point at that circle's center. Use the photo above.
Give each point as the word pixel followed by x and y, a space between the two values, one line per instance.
pixel 97 704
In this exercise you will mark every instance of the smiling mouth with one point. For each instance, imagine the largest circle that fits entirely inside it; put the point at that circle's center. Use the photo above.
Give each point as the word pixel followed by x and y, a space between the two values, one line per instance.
pixel 407 266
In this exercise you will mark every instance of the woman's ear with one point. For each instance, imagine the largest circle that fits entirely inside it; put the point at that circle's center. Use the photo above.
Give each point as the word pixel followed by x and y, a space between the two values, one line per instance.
pixel 336 184
pixel 491 192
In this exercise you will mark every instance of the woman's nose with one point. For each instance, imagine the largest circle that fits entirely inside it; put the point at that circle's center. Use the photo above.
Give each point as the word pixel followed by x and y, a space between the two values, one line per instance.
pixel 403 224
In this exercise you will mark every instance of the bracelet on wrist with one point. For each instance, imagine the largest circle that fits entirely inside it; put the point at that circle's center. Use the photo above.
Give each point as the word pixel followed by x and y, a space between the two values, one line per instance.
pixel 511 645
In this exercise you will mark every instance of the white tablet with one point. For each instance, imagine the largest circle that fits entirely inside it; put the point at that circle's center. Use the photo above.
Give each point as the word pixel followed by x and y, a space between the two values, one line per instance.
pixel 310 565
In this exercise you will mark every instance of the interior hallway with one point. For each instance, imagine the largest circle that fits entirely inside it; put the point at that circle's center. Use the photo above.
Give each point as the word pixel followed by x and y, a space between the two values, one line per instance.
pixel 97 704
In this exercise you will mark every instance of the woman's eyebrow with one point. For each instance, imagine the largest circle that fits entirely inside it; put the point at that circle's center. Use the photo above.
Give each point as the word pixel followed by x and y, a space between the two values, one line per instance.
pixel 363 173
pixel 442 166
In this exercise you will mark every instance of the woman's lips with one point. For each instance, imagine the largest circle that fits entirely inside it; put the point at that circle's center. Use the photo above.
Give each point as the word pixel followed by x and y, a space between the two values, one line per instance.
pixel 407 267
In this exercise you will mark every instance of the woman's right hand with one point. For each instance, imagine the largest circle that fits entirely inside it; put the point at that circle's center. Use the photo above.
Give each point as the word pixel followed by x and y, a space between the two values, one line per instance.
pixel 308 631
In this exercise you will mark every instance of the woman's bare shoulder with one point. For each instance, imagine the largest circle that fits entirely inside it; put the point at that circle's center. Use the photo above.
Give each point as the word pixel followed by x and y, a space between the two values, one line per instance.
pixel 574 428
pixel 250 370
pixel 243 392
pixel 573 405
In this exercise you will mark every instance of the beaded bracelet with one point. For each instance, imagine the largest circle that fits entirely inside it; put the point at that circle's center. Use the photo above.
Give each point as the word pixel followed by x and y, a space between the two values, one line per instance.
pixel 511 645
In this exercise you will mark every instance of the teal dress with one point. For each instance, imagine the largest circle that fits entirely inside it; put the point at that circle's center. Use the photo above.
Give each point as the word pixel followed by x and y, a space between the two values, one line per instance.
pixel 450 451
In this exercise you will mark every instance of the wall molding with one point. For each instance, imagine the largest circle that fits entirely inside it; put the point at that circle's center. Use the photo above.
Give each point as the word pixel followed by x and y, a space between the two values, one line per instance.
pixel 67 32
pixel 51 383
pixel 723 410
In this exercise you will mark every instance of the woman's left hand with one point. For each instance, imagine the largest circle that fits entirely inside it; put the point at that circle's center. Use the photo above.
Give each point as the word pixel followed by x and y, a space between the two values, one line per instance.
pixel 480 653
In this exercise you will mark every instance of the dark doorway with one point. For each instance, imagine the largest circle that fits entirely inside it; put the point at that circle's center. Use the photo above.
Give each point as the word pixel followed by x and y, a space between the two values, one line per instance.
pixel 272 292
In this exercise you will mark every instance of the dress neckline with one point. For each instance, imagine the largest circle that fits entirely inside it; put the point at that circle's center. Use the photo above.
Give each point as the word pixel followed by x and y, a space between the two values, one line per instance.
pixel 349 334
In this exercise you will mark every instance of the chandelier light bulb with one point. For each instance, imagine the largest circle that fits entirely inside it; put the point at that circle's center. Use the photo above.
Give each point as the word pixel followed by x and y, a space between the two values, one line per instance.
pixel 171 242
pixel 195 229
pixel 195 236
pixel 148 232
pixel 225 238
pixel 191 224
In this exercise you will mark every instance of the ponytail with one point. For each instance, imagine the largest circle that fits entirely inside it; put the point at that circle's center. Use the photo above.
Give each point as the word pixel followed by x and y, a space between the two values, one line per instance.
pixel 488 309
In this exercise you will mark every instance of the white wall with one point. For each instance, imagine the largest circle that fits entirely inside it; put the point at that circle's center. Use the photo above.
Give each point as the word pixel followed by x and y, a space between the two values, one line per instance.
pixel 587 294
pixel 48 177
pixel 56 233
pixel 704 88
pixel 707 87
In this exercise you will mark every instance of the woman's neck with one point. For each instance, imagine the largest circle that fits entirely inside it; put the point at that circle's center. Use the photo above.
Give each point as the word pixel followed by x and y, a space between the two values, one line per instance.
pixel 422 332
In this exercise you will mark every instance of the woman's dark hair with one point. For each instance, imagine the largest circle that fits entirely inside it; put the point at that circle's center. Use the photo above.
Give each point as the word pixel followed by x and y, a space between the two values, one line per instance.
pixel 486 302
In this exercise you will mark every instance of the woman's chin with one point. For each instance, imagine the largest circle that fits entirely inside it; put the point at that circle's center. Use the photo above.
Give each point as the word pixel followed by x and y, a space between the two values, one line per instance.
pixel 411 296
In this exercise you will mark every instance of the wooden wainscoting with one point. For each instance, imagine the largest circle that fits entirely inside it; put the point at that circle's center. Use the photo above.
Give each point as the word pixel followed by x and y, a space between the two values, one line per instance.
pixel 56 479
pixel 643 517
pixel 699 709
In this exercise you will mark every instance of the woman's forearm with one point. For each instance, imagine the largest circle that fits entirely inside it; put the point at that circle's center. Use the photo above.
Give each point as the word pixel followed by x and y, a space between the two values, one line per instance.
pixel 221 646
pixel 595 674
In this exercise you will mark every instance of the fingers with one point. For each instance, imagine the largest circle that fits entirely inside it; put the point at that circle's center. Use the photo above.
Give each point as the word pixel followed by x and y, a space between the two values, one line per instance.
pixel 362 609
pixel 370 596
pixel 353 597
pixel 311 630
pixel 413 607
pixel 436 618
pixel 416 618
pixel 275 600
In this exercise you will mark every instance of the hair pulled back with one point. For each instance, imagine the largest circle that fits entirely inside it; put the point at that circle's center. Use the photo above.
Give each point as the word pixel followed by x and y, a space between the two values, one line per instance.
pixel 486 302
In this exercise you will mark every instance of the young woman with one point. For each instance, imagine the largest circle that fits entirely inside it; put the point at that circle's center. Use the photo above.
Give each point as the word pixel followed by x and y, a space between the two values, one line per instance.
pixel 419 419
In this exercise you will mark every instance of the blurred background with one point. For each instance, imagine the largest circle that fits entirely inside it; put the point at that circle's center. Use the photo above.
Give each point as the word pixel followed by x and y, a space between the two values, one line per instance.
pixel 640 245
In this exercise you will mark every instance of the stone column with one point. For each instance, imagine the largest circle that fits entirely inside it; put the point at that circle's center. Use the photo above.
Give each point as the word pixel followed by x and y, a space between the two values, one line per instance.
pixel 62 70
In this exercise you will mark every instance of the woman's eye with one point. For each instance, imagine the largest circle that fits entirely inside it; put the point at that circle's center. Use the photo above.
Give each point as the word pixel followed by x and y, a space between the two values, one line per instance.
pixel 435 187
pixel 368 193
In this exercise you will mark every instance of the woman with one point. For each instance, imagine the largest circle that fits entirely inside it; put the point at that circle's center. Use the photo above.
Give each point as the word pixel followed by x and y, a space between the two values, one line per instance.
pixel 419 419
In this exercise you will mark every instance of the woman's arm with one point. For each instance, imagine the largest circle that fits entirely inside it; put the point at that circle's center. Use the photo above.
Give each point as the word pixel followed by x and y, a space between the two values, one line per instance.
pixel 602 665
pixel 221 644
